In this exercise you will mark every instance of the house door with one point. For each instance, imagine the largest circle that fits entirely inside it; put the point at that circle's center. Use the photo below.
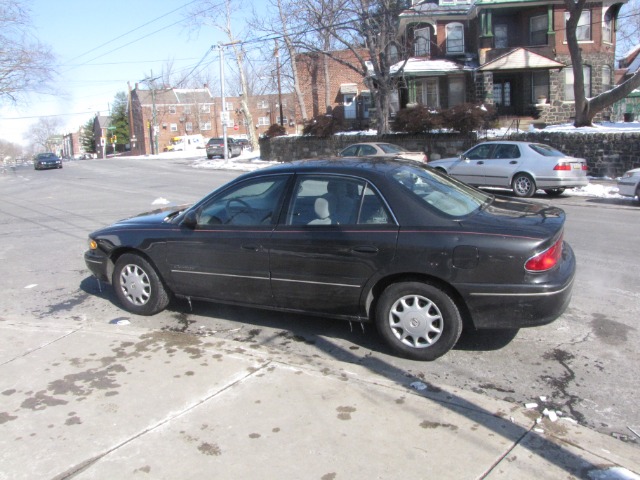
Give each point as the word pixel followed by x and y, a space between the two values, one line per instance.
pixel 502 95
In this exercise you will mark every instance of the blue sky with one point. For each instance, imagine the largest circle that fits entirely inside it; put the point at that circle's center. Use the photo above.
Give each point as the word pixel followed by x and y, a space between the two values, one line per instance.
pixel 97 55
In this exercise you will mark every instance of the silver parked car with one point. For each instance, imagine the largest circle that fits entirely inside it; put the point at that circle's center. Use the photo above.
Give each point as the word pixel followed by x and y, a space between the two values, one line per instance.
pixel 522 166
pixel 629 184
pixel 381 150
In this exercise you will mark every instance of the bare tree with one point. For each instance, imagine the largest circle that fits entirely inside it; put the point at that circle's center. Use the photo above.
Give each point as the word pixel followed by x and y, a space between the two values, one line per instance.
pixel 220 15
pixel 366 28
pixel 588 108
pixel 26 65
pixel 42 132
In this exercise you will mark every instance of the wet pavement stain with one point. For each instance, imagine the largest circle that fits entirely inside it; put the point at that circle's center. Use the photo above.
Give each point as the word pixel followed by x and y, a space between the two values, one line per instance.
pixel 5 417
pixel 609 331
pixel 427 424
pixel 209 449
pixel 84 383
pixel 344 413
pixel 562 383
pixel 254 435
pixel 73 421
pixel 41 400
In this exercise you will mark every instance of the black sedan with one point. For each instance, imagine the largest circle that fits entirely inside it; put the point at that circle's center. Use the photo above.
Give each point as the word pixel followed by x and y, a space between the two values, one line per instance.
pixel 46 160
pixel 397 243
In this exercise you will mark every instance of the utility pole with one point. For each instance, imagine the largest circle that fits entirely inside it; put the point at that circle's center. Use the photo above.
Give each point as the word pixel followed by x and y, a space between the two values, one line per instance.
pixel 224 115
pixel 279 87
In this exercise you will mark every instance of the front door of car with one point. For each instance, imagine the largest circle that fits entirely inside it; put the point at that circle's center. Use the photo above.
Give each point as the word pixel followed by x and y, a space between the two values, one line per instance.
pixel 470 168
pixel 225 256
pixel 504 162
pixel 335 235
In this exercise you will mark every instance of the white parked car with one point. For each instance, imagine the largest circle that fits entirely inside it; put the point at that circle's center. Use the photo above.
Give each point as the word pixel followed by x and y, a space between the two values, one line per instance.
pixel 629 184
pixel 522 166
pixel 381 150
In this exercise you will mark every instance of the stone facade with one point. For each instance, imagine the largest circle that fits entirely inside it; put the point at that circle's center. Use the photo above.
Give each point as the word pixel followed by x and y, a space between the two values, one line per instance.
pixel 607 155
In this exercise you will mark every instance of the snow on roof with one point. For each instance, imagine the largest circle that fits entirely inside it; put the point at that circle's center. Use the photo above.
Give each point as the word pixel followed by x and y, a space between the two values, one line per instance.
pixel 418 65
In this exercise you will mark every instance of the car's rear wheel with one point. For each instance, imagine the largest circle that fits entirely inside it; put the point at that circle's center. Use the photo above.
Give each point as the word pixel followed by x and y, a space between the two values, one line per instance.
pixel 418 320
pixel 554 192
pixel 138 286
pixel 209 157
pixel 523 185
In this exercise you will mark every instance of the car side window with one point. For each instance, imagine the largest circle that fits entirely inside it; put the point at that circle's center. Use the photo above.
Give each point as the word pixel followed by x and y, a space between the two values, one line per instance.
pixel 479 152
pixel 506 151
pixel 333 200
pixel 350 151
pixel 254 202
pixel 367 150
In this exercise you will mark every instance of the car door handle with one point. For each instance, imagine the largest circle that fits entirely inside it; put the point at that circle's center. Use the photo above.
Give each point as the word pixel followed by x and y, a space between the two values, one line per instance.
pixel 253 248
pixel 512 162
pixel 367 249
pixel 480 163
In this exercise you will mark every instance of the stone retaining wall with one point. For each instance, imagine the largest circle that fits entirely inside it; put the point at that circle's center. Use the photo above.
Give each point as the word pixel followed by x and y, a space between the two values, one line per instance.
pixel 607 154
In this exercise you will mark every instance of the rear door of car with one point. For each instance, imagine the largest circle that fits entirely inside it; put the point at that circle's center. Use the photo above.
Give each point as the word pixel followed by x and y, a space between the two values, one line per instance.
pixel 505 160
pixel 321 265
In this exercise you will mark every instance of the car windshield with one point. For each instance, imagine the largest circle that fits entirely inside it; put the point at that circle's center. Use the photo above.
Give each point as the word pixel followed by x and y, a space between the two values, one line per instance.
pixel 439 191
pixel 545 150
pixel 389 148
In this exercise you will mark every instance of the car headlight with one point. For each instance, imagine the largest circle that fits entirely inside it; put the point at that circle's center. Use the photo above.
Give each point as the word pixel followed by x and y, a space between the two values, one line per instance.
pixel 93 245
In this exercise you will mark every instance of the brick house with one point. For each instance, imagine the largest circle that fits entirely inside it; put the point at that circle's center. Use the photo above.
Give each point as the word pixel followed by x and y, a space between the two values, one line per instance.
pixel 508 53
pixel 350 97
pixel 178 112
pixel 101 124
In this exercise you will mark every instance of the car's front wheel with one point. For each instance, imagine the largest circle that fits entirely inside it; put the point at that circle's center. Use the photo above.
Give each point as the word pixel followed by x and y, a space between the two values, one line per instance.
pixel 138 286
pixel 418 320
pixel 523 185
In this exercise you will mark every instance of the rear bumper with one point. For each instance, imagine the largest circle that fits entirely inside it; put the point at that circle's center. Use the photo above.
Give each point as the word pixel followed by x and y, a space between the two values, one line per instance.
pixel 627 188
pixel 519 306
pixel 560 182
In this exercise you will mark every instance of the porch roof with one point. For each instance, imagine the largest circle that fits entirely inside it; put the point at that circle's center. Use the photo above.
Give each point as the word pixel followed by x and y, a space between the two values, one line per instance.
pixel 427 68
pixel 520 59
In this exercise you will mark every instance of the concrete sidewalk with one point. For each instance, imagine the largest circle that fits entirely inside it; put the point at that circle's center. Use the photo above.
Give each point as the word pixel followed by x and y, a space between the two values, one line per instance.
pixel 115 402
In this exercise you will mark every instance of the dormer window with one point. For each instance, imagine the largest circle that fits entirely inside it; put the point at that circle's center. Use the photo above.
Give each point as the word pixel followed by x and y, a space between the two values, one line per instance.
pixel 422 41
pixel 455 38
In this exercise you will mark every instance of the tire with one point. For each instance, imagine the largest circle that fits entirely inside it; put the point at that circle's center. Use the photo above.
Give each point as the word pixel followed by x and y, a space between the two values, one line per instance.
pixel 418 320
pixel 209 157
pixel 138 286
pixel 523 185
pixel 554 192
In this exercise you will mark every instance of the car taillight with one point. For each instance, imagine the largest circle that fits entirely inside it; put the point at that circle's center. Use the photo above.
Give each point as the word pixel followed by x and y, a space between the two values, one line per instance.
pixel 562 166
pixel 545 260
pixel 584 167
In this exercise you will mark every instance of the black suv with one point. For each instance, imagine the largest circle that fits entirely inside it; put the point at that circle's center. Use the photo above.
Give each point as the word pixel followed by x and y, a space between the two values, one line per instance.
pixel 215 148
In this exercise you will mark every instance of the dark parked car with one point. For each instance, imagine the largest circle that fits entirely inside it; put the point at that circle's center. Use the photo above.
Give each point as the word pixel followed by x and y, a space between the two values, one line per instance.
pixel 394 242
pixel 46 160
pixel 215 148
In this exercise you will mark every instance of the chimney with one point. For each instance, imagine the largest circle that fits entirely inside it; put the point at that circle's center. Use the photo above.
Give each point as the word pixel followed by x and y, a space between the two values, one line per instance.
pixel 206 86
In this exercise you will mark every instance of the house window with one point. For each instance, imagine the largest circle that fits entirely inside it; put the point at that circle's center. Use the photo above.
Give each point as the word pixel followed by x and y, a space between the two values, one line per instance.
pixel 607 27
pixel 366 104
pixel 284 121
pixel 204 126
pixel 568 82
pixel 427 92
pixel 455 38
pixel 583 30
pixel 456 91
pixel 173 127
pixel 538 27
pixel 263 121
pixel 421 42
pixel 263 104
pixel 392 54
pixel 228 106
pixel 186 109
pixel 606 78
pixel 348 101
pixel 172 109
pixel 205 108
pixel 539 86
pixel 188 127
pixel 501 37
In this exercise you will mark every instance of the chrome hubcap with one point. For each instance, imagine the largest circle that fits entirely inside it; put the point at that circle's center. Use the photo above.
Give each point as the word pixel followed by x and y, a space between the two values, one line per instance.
pixel 135 284
pixel 416 321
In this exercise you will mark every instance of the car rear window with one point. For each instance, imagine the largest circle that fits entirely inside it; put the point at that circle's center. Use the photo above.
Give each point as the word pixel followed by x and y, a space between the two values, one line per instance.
pixel 215 141
pixel 439 191
pixel 545 150
pixel 389 148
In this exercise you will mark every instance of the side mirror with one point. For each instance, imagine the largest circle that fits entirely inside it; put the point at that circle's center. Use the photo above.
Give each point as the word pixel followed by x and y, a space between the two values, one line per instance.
pixel 190 219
